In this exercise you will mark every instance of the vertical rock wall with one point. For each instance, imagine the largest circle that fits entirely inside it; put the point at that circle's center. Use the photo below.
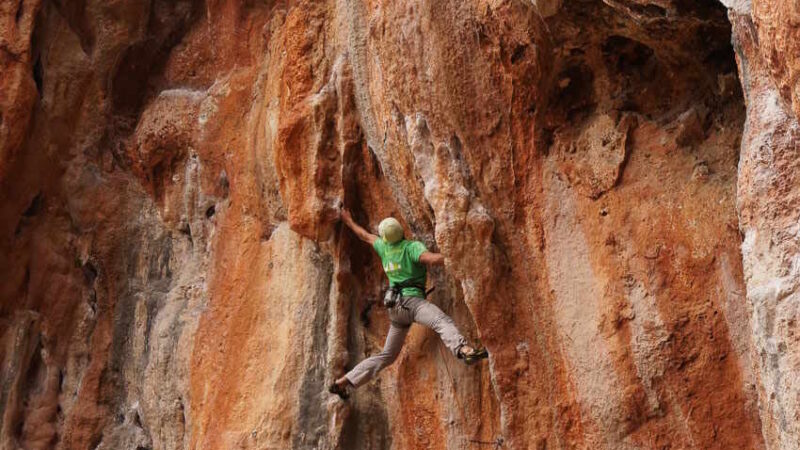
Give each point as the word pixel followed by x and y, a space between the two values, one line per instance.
pixel 767 197
pixel 613 195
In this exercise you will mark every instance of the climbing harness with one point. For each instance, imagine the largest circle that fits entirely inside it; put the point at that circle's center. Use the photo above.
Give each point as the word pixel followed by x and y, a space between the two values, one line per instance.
pixel 394 294
pixel 391 297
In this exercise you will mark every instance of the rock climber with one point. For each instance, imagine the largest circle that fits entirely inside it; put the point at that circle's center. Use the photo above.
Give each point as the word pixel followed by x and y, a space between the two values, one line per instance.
pixel 404 262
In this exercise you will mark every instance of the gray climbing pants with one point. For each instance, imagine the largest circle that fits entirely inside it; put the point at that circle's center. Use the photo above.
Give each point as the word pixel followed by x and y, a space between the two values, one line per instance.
pixel 409 310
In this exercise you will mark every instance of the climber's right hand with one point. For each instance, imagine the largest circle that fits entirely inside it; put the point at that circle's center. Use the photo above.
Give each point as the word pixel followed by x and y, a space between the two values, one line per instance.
pixel 346 216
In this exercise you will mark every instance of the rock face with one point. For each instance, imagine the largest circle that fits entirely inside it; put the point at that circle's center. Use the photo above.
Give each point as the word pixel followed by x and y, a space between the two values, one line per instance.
pixel 613 185
pixel 768 205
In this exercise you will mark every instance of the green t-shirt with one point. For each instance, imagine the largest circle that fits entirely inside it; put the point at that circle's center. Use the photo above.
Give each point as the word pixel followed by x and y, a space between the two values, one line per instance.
pixel 401 263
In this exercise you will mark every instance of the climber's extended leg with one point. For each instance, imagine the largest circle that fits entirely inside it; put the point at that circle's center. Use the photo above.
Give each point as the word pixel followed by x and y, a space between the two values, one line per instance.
pixel 368 368
pixel 428 314
pixel 400 320
pixel 431 316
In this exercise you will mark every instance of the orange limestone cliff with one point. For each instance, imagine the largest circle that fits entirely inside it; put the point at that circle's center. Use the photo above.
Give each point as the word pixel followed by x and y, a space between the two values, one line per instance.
pixel 614 184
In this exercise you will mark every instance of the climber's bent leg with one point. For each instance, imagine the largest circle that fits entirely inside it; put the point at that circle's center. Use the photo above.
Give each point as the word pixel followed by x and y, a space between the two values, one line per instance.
pixel 368 368
pixel 428 314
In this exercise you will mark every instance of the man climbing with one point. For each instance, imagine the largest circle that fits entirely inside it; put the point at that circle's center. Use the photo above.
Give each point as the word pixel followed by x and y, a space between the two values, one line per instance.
pixel 404 263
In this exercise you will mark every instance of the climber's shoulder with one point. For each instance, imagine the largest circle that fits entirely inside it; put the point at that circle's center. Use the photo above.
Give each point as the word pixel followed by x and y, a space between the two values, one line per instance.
pixel 416 244
pixel 379 245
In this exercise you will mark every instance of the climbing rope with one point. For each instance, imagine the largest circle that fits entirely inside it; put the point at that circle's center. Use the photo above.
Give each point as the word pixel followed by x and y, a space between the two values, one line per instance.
pixel 497 443
pixel 451 379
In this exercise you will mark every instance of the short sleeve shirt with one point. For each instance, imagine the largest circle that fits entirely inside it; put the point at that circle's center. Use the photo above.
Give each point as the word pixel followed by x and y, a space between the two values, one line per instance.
pixel 401 264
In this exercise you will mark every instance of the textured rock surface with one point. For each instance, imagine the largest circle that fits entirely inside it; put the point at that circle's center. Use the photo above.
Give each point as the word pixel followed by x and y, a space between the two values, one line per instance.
pixel 768 203
pixel 615 197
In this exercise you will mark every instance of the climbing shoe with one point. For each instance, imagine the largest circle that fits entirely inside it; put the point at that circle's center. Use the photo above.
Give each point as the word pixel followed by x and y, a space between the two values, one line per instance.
pixel 339 390
pixel 474 356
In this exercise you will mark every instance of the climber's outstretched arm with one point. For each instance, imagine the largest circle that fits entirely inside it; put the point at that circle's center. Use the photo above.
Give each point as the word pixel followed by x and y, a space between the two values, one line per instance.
pixel 362 234
pixel 432 259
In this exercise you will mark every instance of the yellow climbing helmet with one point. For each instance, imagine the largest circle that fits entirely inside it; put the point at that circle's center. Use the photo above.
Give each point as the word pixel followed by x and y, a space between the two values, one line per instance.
pixel 390 230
